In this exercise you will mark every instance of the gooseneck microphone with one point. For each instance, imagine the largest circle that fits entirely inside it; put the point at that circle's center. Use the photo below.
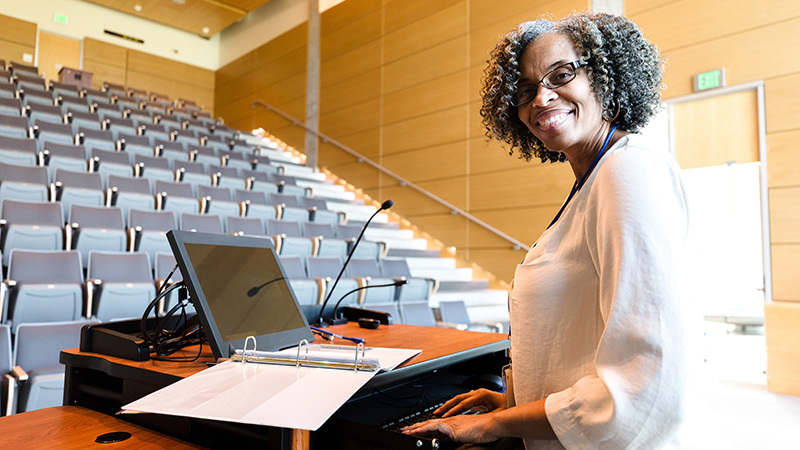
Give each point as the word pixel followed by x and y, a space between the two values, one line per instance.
pixel 336 321
pixel 385 205
pixel 252 292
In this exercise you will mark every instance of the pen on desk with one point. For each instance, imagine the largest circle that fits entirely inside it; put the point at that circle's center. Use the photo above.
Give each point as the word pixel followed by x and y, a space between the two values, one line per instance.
pixel 326 334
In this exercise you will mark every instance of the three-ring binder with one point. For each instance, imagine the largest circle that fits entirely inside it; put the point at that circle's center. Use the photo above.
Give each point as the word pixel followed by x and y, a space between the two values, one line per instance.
pixel 357 364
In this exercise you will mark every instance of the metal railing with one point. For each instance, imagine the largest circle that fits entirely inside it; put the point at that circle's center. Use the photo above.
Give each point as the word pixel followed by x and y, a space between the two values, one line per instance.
pixel 518 245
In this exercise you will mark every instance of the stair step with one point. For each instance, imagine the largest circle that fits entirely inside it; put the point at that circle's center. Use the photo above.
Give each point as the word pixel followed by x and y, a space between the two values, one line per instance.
pixel 430 263
pixel 447 286
pixel 412 253
pixel 474 298
pixel 461 274
pixel 379 233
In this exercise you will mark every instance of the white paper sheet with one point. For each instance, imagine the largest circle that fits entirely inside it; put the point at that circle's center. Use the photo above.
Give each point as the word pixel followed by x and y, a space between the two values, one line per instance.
pixel 265 394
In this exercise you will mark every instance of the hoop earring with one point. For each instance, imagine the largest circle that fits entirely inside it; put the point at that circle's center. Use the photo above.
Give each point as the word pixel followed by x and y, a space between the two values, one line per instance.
pixel 615 115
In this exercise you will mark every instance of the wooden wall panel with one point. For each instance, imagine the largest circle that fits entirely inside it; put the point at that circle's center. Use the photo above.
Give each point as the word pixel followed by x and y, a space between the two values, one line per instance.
pixel 439 162
pixel 784 216
pixel 56 52
pixel 782 95
pixel 359 117
pixel 428 64
pixel 783 353
pixel 785 282
pixel 120 65
pixel 526 223
pixel 747 56
pixel 783 159
pixel 694 14
pixel 342 67
pixel 503 260
pixel 17 37
pixel 350 35
pixel 403 13
pixel 426 131
pixel 535 185
pixel 429 31
pixel 360 88
pixel 425 98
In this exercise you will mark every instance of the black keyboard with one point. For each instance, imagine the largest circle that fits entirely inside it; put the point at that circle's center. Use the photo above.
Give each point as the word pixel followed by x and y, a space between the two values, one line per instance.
pixel 412 417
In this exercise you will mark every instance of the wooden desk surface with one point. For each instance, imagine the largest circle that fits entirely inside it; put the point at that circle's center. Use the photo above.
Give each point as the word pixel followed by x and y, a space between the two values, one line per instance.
pixel 75 427
pixel 434 342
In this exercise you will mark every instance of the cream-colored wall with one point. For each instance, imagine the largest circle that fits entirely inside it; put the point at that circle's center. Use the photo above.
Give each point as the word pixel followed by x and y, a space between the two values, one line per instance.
pixel 89 20
pixel 753 41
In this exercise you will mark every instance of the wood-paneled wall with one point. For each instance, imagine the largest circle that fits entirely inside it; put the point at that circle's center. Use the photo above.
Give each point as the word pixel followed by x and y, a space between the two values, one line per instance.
pixel 17 37
pixel 400 83
pixel 120 65
pixel 753 41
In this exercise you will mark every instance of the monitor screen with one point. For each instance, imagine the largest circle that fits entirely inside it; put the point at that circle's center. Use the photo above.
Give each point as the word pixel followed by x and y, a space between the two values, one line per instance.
pixel 239 289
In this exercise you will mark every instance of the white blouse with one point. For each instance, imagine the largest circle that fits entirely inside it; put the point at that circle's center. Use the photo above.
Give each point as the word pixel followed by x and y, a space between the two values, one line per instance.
pixel 598 324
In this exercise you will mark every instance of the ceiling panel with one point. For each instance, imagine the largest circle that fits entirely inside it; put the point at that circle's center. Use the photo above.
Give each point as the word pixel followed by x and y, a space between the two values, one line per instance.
pixel 188 15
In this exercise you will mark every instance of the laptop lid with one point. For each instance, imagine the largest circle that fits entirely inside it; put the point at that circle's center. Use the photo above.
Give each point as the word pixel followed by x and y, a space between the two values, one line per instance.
pixel 239 289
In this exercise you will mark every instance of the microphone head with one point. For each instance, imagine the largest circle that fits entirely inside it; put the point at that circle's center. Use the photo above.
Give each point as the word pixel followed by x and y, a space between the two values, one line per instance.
pixel 253 291
pixel 401 282
pixel 387 204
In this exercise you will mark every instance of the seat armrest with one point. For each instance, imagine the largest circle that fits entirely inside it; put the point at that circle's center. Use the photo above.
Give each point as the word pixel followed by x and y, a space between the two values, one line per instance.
pixel 19 373
pixel 9 395
pixel 93 289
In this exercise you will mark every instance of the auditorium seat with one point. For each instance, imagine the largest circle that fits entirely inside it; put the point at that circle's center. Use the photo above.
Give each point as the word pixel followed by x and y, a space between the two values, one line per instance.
pixel 294 214
pixel 417 313
pixel 243 163
pixel 18 151
pixel 96 139
pixel 185 137
pixel 105 110
pixel 134 145
pixel 370 274
pixel 45 113
pixel 256 205
pixel 80 104
pixel 218 200
pixel 248 226
pixel 85 120
pixel 31 226
pixel 150 230
pixel 108 163
pixel 14 126
pixel 93 96
pixel 415 288
pixel 174 151
pixel 205 223
pixel 68 90
pixel 154 132
pixel 8 394
pixel 153 168
pixel 66 157
pixel 9 91
pixel 327 269
pixel 176 197
pixel 455 312
pixel 37 349
pixel 305 289
pixel 129 192
pixel 10 106
pixel 24 183
pixel 97 228
pixel 28 83
pixel 78 188
pixel 193 173
pixel 121 284
pixel 52 132
pixel 44 286
pixel 118 126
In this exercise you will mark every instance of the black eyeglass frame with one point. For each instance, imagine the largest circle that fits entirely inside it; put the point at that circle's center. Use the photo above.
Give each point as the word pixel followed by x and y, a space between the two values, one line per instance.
pixel 574 65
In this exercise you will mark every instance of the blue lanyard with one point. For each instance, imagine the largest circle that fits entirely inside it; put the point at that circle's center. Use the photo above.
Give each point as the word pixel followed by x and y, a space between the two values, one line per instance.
pixel 578 184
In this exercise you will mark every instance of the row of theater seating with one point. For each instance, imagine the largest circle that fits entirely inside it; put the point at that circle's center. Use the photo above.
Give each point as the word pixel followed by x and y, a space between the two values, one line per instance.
pixel 50 286
pixel 23 78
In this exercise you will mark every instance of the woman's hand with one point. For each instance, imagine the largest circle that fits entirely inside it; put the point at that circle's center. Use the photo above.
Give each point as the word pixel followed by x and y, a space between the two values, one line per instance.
pixel 474 429
pixel 485 398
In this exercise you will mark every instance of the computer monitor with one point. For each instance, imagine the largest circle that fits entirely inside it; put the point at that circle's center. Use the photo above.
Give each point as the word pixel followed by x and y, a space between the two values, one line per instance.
pixel 239 289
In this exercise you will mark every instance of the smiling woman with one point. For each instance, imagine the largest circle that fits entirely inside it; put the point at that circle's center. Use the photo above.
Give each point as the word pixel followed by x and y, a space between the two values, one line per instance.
pixel 599 324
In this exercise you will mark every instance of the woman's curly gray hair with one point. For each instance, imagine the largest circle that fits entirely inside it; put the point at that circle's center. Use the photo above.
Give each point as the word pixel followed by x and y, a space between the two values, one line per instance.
pixel 624 70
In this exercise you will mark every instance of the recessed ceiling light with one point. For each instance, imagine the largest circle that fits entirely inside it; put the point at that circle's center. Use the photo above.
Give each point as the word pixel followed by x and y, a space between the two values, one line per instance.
pixel 137 7
pixel 179 2
pixel 206 30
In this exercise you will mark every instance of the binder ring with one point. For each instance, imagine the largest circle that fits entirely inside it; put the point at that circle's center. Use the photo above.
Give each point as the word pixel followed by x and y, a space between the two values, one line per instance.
pixel 363 352
pixel 298 352
pixel 244 349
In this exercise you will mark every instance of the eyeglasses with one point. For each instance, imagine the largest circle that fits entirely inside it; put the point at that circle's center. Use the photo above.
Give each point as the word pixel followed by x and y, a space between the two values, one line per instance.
pixel 554 79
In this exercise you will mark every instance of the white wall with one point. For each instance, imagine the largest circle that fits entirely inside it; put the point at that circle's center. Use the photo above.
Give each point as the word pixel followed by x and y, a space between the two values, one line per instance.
pixel 89 20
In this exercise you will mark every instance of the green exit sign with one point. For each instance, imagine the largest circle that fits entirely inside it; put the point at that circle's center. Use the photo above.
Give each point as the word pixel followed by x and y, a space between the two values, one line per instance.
pixel 61 18
pixel 709 80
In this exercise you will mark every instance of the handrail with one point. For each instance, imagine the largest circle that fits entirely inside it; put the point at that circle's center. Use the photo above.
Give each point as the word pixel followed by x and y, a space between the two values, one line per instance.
pixel 403 182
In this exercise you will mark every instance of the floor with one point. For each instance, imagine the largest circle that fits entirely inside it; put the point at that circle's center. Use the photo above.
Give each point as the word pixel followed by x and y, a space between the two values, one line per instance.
pixel 736 388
